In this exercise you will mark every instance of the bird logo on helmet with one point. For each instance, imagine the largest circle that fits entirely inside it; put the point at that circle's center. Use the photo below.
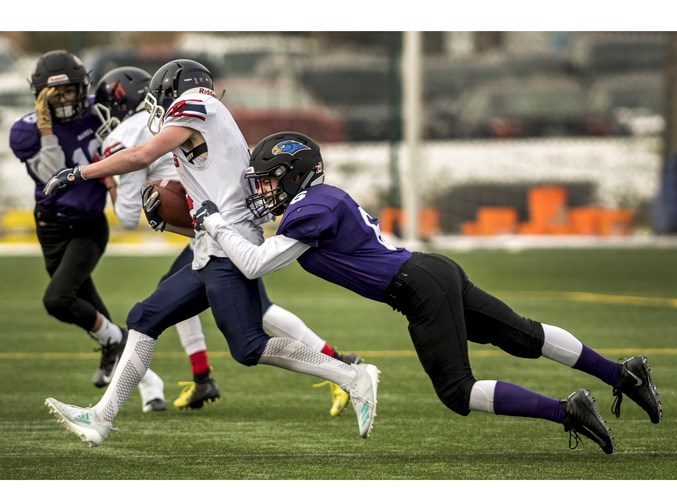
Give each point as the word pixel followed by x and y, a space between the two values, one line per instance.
pixel 296 166
pixel 289 147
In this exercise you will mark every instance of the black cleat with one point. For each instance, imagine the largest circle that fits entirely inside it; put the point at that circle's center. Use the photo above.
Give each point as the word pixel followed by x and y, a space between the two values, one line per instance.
pixel 110 356
pixel 636 383
pixel 582 417
pixel 349 358
pixel 195 395
pixel 155 405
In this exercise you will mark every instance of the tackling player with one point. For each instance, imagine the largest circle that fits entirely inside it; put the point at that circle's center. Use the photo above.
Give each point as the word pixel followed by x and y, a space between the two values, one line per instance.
pixel 332 237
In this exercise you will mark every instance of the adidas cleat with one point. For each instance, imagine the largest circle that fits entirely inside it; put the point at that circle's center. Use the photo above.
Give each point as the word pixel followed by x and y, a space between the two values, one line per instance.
pixel 363 394
pixel 582 417
pixel 637 384
pixel 80 421
pixel 195 395
pixel 339 398
pixel 110 356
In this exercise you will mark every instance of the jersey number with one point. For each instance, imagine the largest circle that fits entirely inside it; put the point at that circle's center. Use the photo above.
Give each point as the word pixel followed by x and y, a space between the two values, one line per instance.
pixel 373 223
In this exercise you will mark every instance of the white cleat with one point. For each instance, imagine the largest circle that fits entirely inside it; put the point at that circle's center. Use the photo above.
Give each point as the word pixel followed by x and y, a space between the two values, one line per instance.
pixel 80 421
pixel 363 396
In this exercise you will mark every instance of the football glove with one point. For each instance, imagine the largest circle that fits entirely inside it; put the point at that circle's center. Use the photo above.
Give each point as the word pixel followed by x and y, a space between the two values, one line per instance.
pixel 208 208
pixel 151 206
pixel 42 108
pixel 63 178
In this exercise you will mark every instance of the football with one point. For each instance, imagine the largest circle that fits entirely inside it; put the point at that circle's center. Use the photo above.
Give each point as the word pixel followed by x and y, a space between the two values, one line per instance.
pixel 173 202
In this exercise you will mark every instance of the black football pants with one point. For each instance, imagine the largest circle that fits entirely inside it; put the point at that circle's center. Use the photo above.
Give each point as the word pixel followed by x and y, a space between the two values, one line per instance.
pixel 71 251
pixel 445 310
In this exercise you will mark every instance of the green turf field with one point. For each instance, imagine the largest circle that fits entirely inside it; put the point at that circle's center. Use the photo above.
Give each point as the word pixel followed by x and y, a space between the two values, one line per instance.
pixel 271 424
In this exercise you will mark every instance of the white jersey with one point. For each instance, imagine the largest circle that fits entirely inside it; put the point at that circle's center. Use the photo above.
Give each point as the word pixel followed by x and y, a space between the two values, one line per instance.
pixel 217 176
pixel 128 205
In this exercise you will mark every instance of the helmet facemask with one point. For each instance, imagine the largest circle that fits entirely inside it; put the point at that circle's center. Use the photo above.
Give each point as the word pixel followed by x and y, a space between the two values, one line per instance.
pixel 268 194
pixel 287 184
pixel 108 122
pixel 155 114
pixel 66 111
pixel 119 94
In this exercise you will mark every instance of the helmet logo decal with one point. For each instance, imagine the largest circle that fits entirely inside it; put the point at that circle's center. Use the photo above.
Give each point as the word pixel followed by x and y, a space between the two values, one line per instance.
pixel 57 79
pixel 118 90
pixel 289 147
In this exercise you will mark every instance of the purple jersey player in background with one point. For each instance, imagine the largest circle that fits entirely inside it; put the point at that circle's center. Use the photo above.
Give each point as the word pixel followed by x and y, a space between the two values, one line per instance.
pixel 332 237
pixel 71 225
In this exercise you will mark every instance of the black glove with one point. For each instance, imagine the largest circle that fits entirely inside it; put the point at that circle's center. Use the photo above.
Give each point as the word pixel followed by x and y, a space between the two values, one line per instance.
pixel 208 208
pixel 151 205
pixel 63 178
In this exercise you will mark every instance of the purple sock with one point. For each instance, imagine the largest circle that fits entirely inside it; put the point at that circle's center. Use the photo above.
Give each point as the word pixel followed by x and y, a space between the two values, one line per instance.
pixel 513 400
pixel 593 363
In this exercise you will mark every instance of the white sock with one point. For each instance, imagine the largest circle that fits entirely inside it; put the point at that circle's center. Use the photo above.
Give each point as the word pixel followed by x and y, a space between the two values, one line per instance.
pixel 559 345
pixel 191 336
pixel 482 396
pixel 133 364
pixel 279 322
pixel 295 356
pixel 107 332
pixel 151 387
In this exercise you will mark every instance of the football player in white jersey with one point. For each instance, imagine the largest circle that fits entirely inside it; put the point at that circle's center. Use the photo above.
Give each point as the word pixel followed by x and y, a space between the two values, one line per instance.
pixel 211 156
pixel 119 103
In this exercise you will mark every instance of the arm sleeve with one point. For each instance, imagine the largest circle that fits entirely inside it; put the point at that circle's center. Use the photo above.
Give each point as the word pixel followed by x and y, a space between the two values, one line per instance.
pixel 254 261
pixel 128 204
pixel 49 159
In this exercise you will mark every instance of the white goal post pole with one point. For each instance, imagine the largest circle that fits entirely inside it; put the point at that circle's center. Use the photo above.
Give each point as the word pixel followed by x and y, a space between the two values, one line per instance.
pixel 411 164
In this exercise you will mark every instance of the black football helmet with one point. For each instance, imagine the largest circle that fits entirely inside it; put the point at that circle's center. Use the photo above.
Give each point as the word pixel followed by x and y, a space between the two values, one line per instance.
pixel 291 157
pixel 119 94
pixel 57 68
pixel 170 82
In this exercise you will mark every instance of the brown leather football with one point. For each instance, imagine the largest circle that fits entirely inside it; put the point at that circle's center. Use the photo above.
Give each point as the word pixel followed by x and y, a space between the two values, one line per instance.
pixel 173 202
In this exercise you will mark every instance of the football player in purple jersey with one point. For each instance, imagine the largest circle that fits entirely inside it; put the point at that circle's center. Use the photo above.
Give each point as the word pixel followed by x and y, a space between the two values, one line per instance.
pixel 71 226
pixel 332 237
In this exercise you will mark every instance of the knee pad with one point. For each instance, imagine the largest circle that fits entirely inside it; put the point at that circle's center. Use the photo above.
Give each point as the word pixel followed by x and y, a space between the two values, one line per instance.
pixel 247 356
pixel 60 307
pixel 135 321
pixel 456 395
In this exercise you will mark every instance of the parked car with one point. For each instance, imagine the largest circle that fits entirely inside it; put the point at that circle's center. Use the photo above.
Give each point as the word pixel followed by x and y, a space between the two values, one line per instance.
pixel 363 89
pixel 255 54
pixel 447 78
pixel 615 53
pixel 100 60
pixel 261 107
pixel 635 101
pixel 528 107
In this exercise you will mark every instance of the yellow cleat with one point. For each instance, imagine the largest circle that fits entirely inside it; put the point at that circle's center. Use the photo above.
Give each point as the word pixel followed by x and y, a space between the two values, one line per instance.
pixel 339 398
pixel 194 395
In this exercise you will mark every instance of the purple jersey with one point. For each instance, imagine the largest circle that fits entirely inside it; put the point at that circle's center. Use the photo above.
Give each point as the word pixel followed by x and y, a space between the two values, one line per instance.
pixel 80 147
pixel 346 243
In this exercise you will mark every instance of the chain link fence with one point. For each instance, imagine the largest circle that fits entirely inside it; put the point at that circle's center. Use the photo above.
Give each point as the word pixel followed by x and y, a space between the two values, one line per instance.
pixel 523 132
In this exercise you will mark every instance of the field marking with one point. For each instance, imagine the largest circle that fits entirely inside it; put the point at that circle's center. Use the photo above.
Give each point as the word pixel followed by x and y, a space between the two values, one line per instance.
pixel 370 354
pixel 578 296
